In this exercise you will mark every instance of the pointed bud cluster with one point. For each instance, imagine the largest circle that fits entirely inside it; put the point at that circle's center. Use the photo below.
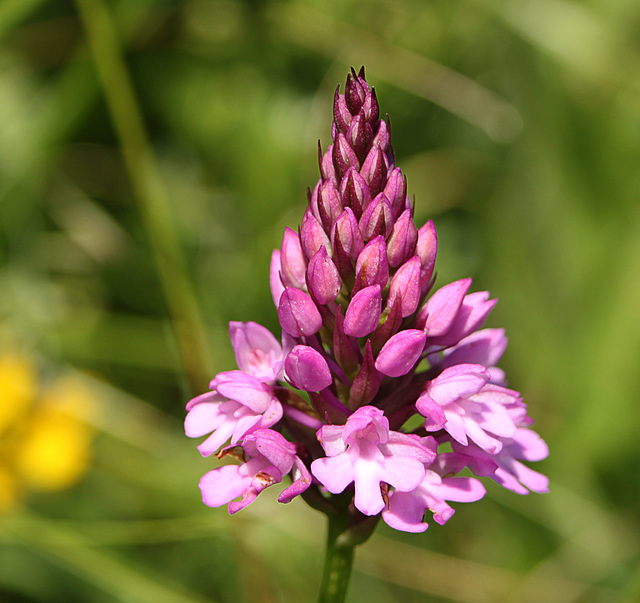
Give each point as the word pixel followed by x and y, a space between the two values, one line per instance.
pixel 365 347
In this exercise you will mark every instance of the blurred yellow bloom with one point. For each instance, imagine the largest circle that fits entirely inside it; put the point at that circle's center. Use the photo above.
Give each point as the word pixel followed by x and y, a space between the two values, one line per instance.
pixel 44 435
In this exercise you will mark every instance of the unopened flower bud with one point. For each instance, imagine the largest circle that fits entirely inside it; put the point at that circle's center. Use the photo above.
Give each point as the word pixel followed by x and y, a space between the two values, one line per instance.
pixel 298 315
pixel 377 219
pixel 329 204
pixel 360 136
pixel 323 280
pixel 312 235
pixel 307 369
pixel 382 137
pixel 355 192
pixel 327 169
pixel 402 242
pixel 374 170
pixel 427 248
pixel 396 192
pixel 405 286
pixel 293 262
pixel 347 231
pixel 354 94
pixel 372 267
pixel 398 356
pixel 370 107
pixel 364 311
pixel 341 115
pixel 344 156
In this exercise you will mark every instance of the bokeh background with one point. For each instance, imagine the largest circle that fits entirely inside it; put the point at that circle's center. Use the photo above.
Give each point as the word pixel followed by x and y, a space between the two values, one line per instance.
pixel 151 153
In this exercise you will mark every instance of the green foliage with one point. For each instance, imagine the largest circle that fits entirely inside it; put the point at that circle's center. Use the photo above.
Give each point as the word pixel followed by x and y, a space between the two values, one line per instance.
pixel 151 154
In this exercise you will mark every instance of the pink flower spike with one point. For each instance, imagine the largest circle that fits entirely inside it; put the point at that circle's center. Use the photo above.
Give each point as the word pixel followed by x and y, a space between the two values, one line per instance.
pixel 441 309
pixel 360 454
pixel 307 369
pixel 257 350
pixel 363 313
pixel 398 356
pixel 298 315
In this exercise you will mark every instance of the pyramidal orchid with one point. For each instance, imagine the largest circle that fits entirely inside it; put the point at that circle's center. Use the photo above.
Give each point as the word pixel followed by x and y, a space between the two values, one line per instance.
pixel 368 348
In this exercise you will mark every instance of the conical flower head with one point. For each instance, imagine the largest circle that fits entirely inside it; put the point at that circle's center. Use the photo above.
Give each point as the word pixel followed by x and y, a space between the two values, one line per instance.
pixel 365 348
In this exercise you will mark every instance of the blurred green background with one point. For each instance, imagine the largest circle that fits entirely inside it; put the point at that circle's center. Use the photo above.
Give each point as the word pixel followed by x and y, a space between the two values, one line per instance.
pixel 151 153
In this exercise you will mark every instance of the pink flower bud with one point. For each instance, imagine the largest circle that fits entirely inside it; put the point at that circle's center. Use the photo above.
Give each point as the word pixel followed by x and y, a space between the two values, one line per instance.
pixel 307 369
pixel 377 219
pixel 398 356
pixel 344 156
pixel 312 235
pixel 341 115
pixel 327 169
pixel 347 231
pixel 298 315
pixel 354 94
pixel 396 192
pixel 402 242
pixel 370 107
pixel 359 136
pixel 363 313
pixel 405 286
pixel 329 204
pixel 374 170
pixel 293 262
pixel 382 138
pixel 323 280
pixel 427 248
pixel 275 277
pixel 372 266
pixel 355 192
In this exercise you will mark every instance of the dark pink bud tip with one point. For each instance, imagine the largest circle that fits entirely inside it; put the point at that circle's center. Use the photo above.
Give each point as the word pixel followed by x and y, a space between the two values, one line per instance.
pixel 398 356
pixel 307 369
pixel 298 315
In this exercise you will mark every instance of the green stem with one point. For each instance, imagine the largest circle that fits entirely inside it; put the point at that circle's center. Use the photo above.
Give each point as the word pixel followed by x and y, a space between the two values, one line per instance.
pixel 338 561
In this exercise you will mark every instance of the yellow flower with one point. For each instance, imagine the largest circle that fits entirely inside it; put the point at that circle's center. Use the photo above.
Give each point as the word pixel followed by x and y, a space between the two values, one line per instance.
pixel 44 435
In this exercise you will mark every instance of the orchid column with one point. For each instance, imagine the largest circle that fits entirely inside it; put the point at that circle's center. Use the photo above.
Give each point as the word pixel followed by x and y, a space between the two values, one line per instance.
pixel 365 348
